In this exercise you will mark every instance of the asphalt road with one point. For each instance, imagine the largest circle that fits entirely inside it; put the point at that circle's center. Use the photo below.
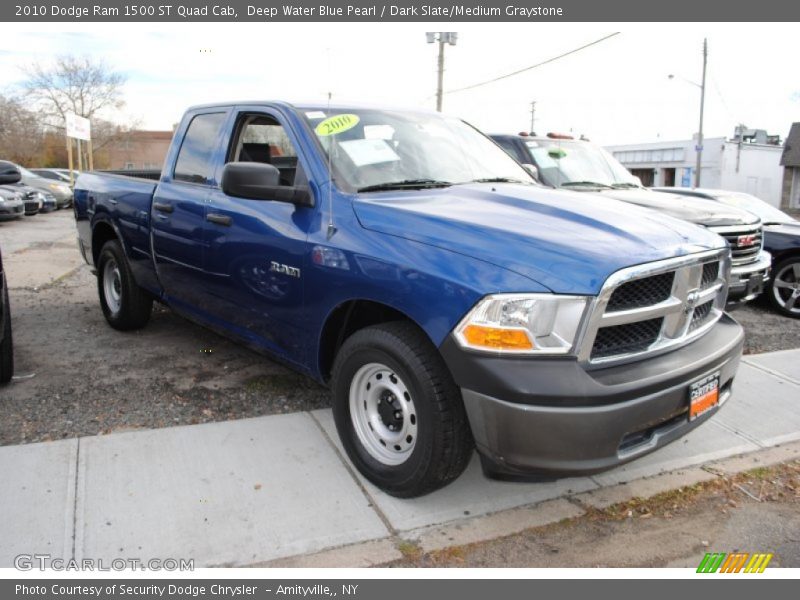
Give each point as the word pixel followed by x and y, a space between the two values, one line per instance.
pixel 76 376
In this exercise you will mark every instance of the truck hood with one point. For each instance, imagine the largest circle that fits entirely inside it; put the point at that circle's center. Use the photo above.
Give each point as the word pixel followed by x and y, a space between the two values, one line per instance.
pixel 567 242
pixel 708 213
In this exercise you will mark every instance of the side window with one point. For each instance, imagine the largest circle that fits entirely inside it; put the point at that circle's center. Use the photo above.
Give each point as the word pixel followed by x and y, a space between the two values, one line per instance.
pixel 509 147
pixel 194 158
pixel 263 139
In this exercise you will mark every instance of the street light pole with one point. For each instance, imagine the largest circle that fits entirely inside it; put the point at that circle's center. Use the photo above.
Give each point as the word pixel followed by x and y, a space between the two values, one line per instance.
pixel 533 117
pixel 702 106
pixel 440 75
pixel 442 37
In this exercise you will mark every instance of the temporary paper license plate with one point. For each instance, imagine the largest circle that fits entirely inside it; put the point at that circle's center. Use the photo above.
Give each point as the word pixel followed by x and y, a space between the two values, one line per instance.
pixel 703 395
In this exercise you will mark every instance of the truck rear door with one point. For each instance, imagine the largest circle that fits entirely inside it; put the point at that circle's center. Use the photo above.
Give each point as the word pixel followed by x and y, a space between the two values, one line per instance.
pixel 179 208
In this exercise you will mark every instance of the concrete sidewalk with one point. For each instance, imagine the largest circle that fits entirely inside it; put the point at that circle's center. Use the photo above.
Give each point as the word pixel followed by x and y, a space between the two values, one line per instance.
pixel 259 491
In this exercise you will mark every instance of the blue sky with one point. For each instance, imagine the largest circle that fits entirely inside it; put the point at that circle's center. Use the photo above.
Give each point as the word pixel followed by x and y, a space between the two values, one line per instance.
pixel 615 92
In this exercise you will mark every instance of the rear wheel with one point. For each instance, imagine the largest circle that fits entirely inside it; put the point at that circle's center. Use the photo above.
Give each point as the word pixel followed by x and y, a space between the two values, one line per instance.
pixel 398 412
pixel 784 288
pixel 125 305
pixel 6 346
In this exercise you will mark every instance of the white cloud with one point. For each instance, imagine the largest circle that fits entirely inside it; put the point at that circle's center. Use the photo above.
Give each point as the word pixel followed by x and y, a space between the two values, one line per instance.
pixel 614 92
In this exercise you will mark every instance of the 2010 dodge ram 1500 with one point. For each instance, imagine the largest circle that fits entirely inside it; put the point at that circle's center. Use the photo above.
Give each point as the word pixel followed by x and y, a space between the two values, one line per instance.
pixel 449 301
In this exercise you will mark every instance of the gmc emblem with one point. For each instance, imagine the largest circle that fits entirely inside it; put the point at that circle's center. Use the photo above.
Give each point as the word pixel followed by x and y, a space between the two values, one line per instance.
pixel 746 240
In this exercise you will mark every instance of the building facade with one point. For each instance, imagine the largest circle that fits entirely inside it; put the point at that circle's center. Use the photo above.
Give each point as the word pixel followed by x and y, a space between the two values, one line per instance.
pixel 790 161
pixel 139 150
pixel 748 162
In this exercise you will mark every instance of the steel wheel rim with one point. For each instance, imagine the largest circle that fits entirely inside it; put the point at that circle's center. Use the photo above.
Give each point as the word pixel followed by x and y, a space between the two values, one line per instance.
pixel 383 414
pixel 786 288
pixel 112 285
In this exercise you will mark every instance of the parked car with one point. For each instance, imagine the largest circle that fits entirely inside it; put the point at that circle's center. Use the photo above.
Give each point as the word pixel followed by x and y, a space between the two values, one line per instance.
pixel 59 189
pixel 54 174
pixel 12 205
pixel 578 165
pixel 406 261
pixel 34 200
pixel 62 175
pixel 6 342
pixel 781 239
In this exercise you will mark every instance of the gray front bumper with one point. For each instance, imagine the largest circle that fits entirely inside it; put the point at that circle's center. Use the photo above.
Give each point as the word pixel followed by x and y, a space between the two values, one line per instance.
pixel 586 421
pixel 747 281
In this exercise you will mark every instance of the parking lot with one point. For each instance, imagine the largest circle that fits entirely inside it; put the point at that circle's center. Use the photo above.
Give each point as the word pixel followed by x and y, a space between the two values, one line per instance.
pixel 75 376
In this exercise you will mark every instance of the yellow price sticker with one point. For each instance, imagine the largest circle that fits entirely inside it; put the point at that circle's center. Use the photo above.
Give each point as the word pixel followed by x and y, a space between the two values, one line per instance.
pixel 336 124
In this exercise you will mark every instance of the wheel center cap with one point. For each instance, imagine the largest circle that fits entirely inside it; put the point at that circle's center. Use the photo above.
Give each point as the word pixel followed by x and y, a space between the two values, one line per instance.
pixel 389 411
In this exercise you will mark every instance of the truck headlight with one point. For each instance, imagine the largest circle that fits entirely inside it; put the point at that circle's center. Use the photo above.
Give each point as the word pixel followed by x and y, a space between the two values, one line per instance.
pixel 523 323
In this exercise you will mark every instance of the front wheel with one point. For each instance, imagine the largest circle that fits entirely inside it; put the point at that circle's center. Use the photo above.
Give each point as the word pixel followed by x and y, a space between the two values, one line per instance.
pixel 398 412
pixel 784 289
pixel 6 345
pixel 125 305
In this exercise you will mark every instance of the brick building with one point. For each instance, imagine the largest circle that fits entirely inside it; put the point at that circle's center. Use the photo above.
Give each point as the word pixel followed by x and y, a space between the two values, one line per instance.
pixel 139 150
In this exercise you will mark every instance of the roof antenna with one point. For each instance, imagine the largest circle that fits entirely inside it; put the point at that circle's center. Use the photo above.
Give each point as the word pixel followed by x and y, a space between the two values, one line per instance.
pixel 331 226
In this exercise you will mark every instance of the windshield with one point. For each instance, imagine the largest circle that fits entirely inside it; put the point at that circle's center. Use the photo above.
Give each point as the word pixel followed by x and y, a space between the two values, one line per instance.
pixel 766 212
pixel 377 149
pixel 564 162
pixel 25 172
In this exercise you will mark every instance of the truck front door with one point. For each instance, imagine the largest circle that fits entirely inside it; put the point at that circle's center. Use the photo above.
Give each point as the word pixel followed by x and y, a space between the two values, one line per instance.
pixel 256 248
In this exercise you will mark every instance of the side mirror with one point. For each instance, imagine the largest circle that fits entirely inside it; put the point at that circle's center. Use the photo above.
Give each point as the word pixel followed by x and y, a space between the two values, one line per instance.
pixel 9 173
pixel 534 172
pixel 261 181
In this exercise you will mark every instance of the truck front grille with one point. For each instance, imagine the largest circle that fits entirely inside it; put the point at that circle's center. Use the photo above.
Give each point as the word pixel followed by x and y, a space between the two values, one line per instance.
pixel 623 339
pixel 745 242
pixel 655 307
pixel 642 292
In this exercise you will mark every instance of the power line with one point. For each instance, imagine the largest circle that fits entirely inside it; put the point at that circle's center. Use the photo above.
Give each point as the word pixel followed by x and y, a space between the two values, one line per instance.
pixel 549 60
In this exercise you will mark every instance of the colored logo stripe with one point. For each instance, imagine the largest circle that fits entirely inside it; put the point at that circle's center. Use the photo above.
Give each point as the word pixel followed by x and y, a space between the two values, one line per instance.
pixel 734 563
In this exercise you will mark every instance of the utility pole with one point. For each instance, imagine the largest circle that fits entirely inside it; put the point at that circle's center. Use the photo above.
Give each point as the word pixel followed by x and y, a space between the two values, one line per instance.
pixel 533 117
pixel 440 76
pixel 442 37
pixel 702 106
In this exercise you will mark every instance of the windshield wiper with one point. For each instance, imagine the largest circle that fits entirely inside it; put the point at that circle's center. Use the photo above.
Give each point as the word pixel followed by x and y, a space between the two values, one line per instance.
pixel 499 180
pixel 592 183
pixel 405 184
pixel 625 186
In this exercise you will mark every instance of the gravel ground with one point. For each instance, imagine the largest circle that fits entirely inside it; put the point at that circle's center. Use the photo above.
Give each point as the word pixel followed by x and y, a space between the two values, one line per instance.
pixel 76 376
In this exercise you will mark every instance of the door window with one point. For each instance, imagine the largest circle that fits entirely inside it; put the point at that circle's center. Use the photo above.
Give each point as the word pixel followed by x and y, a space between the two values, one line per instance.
pixel 194 159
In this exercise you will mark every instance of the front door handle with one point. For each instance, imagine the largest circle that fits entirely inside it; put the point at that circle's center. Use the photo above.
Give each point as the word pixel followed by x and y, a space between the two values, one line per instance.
pixel 163 207
pixel 219 219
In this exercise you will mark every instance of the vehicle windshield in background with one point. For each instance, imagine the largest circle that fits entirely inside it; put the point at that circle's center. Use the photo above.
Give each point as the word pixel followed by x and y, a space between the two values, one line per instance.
pixel 373 150
pixel 767 213
pixel 572 164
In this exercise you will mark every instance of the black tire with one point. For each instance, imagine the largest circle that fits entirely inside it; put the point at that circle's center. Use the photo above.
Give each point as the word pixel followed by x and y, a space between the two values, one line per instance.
pixel 443 445
pixel 7 345
pixel 785 272
pixel 132 308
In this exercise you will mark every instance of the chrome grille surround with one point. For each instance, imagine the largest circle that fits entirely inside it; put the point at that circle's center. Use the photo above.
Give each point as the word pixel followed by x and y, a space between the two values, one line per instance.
pixel 676 312
pixel 742 255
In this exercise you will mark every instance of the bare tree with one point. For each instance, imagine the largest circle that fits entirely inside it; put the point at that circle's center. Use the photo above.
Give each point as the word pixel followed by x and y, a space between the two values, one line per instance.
pixel 81 85
pixel 21 132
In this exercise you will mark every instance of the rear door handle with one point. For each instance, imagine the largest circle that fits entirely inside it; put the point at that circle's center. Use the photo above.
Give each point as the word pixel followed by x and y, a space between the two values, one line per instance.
pixel 163 207
pixel 219 219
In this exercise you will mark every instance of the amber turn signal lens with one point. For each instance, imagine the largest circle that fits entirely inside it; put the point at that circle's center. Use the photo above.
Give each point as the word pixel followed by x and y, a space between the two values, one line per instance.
pixel 500 339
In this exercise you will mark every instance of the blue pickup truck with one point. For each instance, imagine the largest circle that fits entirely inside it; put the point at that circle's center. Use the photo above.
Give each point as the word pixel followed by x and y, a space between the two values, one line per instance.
pixel 448 300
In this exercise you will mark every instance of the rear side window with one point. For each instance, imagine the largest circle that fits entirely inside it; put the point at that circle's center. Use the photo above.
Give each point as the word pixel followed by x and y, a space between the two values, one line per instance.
pixel 199 143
